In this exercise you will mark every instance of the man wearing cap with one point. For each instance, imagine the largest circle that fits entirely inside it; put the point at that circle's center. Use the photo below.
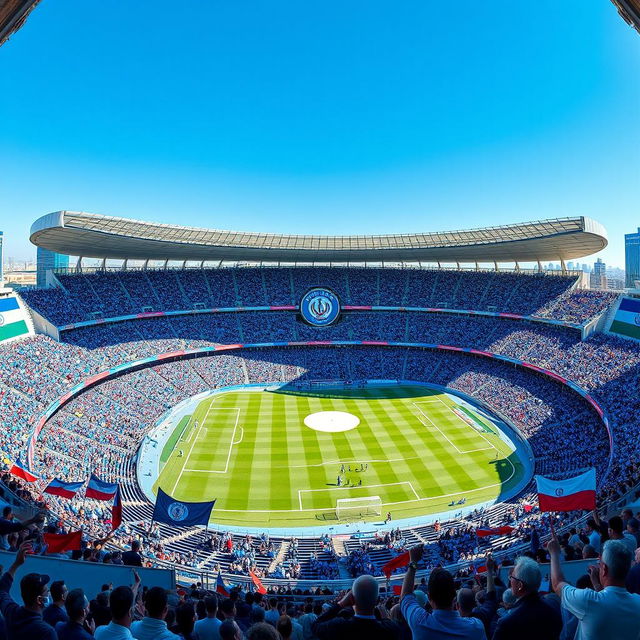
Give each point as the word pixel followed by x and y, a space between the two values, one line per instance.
pixel 25 621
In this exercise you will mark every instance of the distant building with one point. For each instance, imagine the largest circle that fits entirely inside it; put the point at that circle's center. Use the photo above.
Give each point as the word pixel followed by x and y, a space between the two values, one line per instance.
pixel 632 258
pixel 615 283
pixel 48 261
pixel 1 258
pixel 599 275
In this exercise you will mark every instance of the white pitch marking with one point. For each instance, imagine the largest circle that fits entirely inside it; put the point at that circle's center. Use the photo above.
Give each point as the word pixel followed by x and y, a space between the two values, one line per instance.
pixel 465 424
pixel 444 435
pixel 191 447
pixel 368 486
pixel 385 504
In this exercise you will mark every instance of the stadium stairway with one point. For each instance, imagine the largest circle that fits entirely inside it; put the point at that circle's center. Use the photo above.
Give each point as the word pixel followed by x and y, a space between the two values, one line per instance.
pixel 280 556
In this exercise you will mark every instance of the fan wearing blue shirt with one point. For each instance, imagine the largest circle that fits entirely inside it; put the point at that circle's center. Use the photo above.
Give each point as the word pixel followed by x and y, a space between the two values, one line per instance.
pixel 445 622
pixel 76 628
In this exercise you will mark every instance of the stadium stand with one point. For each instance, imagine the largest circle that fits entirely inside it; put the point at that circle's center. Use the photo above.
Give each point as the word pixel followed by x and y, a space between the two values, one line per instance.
pixel 100 429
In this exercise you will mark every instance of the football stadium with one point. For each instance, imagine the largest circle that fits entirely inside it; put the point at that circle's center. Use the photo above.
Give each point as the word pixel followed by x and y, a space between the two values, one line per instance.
pixel 339 402
pixel 259 435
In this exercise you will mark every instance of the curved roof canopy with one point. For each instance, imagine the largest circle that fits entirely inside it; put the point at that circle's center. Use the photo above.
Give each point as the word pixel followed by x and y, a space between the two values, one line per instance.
pixel 13 14
pixel 97 236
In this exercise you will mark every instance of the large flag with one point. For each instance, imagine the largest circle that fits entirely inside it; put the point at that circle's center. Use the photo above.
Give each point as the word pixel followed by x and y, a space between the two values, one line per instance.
pixel 221 587
pixel 100 490
pixel 63 489
pixel 256 581
pixel 59 542
pixel 483 532
pixel 21 471
pixel 181 514
pixel 569 494
pixel 116 511
pixel 396 563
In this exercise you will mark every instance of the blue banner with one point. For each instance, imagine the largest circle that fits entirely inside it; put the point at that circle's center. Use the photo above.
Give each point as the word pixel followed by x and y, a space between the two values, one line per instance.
pixel 181 514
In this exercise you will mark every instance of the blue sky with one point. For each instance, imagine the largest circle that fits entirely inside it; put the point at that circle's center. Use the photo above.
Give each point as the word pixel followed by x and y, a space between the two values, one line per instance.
pixel 333 117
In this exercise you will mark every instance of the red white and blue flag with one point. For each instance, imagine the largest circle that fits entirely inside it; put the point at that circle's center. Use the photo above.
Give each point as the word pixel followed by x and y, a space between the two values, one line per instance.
pixel 116 511
pixel 221 587
pixel 100 490
pixel 63 489
pixel 567 495
pixel 21 471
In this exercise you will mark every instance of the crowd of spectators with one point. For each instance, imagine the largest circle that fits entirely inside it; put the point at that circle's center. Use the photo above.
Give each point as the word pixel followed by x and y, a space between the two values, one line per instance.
pixel 117 293
pixel 514 598
pixel 100 429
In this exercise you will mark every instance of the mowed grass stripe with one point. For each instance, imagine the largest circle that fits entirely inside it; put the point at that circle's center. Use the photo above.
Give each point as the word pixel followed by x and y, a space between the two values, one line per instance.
pixel 451 467
pixel 238 493
pixel 307 452
pixel 280 479
pixel 279 455
pixel 417 451
pixel 330 452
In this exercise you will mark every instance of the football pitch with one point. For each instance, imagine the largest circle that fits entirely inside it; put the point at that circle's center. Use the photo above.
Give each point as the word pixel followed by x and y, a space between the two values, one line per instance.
pixel 415 448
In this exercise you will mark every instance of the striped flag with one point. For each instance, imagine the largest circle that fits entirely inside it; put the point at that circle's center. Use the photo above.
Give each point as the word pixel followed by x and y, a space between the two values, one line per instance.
pixel 116 511
pixel 12 323
pixel 21 471
pixel 567 495
pixel 100 490
pixel 221 587
pixel 63 489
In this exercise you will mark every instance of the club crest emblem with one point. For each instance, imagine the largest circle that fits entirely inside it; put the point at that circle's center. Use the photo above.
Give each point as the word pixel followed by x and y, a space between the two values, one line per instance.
pixel 320 307
pixel 178 511
pixel 637 319
pixel 559 492
pixel 1 319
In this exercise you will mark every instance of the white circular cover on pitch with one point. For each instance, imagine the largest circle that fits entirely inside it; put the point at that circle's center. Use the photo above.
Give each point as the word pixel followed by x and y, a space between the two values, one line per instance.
pixel 332 421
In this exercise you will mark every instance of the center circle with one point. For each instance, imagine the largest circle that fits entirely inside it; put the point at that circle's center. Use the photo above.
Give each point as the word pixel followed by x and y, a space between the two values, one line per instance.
pixel 332 421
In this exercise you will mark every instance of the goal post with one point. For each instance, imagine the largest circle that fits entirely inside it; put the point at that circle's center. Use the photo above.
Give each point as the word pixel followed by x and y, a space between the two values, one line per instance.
pixel 347 508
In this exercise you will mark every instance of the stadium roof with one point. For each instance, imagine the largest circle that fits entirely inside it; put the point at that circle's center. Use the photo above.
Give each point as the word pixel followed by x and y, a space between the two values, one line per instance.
pixel 97 236
pixel 630 12
pixel 13 14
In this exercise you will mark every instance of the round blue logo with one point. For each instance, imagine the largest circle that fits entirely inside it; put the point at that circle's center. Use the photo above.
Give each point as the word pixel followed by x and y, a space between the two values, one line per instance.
pixel 178 511
pixel 320 307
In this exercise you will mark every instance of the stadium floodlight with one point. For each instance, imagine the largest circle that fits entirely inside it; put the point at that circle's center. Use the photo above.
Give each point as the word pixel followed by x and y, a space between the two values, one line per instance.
pixel 350 508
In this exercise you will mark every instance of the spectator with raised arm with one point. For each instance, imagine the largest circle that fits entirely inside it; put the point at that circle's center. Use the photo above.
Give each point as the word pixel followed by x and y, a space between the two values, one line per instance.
pixel 486 610
pixel 445 621
pixel 608 610
pixel 26 621
pixel 153 625
pixel 121 601
pixel 354 616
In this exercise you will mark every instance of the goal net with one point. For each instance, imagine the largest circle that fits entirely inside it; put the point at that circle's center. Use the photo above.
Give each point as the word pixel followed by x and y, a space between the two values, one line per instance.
pixel 347 508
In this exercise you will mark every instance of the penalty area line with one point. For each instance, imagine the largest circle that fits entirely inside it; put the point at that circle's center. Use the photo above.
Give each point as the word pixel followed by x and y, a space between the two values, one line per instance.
pixel 368 486
pixel 444 435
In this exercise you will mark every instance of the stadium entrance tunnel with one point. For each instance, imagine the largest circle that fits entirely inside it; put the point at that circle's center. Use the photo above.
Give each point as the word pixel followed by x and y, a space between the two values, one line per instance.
pixel 332 421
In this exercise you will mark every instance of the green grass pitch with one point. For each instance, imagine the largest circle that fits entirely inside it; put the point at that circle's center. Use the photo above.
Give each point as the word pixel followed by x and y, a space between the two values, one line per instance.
pixel 252 452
